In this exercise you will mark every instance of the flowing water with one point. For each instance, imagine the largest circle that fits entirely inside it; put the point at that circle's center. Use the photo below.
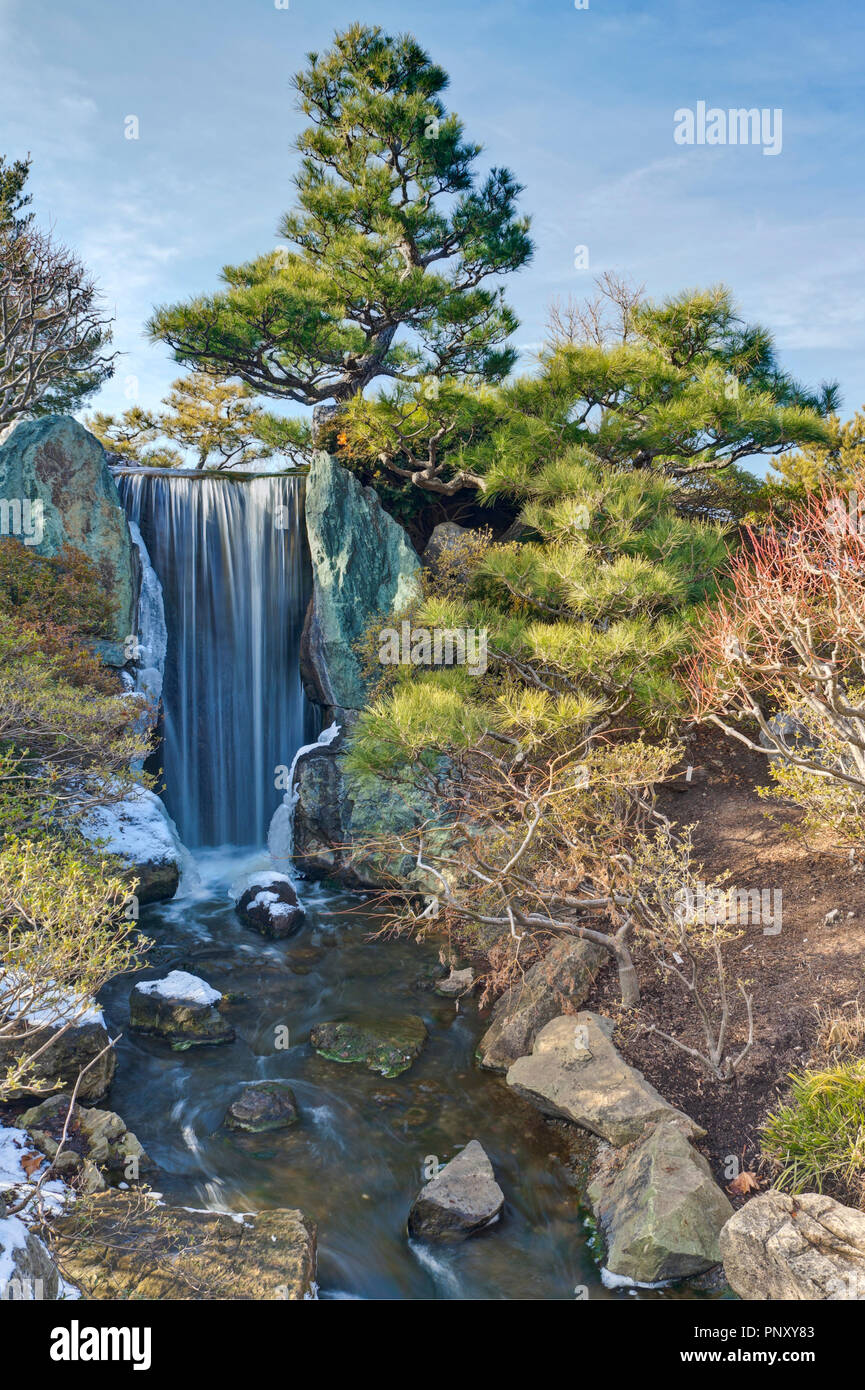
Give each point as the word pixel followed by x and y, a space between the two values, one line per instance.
pixel 235 588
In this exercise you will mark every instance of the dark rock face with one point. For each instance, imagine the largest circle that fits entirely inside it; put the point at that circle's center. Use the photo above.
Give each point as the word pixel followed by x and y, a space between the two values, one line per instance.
pixel 270 906
pixel 181 1009
pixel 463 1199
pixel 385 1045
pixel 67 1056
pixel 566 972
pixel 56 463
pixel 262 1106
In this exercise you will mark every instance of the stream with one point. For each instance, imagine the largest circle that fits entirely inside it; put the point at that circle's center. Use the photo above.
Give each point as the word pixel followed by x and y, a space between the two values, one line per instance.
pixel 355 1160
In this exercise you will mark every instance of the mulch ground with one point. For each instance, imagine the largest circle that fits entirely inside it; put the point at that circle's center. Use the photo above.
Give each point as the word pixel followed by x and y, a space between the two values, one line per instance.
pixel 806 968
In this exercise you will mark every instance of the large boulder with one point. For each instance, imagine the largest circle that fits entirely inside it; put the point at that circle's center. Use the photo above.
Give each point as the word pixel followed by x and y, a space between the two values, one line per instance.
pixel 784 1248
pixel 122 1246
pixel 565 974
pixel 58 464
pixel 27 1271
pixel 462 1199
pixel 81 1049
pixel 575 1073
pixel 658 1208
pixel 269 905
pixel 262 1106
pixel 139 831
pixel 385 1045
pixel 363 566
pixel 98 1148
pixel 364 569
pixel 181 1008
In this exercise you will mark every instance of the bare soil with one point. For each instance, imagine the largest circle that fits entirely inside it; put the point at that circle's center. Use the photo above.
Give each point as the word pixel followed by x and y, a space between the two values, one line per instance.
pixel 806 968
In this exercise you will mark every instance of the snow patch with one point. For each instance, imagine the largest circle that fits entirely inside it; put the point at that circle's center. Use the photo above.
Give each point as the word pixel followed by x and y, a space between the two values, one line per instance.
pixel 181 986
pixel 137 829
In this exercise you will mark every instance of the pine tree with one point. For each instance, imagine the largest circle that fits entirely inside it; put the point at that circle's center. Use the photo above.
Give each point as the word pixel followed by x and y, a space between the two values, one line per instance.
pixel 389 251
pixel 215 420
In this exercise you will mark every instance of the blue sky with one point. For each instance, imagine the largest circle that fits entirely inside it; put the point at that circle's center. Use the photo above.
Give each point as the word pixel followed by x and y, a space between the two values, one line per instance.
pixel 578 102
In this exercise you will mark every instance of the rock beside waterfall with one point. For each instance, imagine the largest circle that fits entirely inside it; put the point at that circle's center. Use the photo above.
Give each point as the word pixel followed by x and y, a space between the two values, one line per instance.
pixel 181 1008
pixel 363 566
pixel 385 1045
pixel 27 1272
pixel 120 1246
pixel 565 974
pixel 809 1248
pixel 575 1073
pixel 69 1054
pixel 658 1208
pixel 462 1199
pixel 456 984
pixel 139 831
pixel 57 467
pixel 269 905
pixel 98 1146
pixel 262 1106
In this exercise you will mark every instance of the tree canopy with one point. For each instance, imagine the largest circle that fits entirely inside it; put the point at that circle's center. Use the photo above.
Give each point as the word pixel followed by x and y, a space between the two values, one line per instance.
pixel 390 251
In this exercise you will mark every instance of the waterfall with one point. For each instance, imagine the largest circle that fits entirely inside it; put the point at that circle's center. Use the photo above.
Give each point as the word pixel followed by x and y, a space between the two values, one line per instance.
pixel 229 554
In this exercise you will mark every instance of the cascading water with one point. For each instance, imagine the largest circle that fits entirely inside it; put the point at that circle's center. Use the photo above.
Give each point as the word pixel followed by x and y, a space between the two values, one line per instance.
pixel 230 557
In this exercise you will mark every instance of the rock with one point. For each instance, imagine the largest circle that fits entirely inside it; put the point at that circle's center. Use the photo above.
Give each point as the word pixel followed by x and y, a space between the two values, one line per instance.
pixel 783 1248
pixel 70 1054
pixel 27 1271
pixel 791 731
pixel 385 1045
pixel 566 972
pixel 269 904
pixel 457 983
pixel 58 463
pixel 447 538
pixel 139 831
pixel 364 567
pixel 180 1008
pixel 335 811
pixel 124 1246
pixel 98 1144
pixel 575 1073
pixel 262 1106
pixel 463 1199
pixel 658 1208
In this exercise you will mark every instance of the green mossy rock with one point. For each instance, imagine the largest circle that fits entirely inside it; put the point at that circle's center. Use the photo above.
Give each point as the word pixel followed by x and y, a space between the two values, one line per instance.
pixel 58 462
pixel 385 1045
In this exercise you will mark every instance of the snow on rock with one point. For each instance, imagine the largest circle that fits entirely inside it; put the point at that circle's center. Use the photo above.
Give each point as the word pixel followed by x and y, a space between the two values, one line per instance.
pixel 280 836
pixel 180 985
pixel 139 830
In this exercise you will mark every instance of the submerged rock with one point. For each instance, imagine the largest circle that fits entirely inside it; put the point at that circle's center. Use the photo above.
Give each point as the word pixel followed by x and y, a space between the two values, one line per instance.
pixel 566 973
pixel 269 905
pixel 122 1246
pixel 658 1208
pixel 806 1247
pixel 57 467
pixel 456 984
pixel 180 1008
pixel 575 1073
pixel 262 1106
pixel 68 1055
pixel 98 1145
pixel 385 1045
pixel 462 1199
